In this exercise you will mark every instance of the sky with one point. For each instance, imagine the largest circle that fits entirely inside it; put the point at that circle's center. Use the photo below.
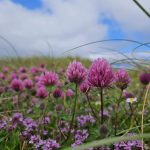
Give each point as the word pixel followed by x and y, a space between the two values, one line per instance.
pixel 51 27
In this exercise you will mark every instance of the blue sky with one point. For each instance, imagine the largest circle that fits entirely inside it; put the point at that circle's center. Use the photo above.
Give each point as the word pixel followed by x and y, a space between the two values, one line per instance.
pixel 30 4
pixel 72 23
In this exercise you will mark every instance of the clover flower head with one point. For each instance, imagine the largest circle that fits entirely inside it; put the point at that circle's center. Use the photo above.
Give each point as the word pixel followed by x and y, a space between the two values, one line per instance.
pixel 100 74
pixel 145 78
pixel 69 93
pixel 49 79
pixel 76 72
pixel 28 83
pixel 41 92
pixel 17 85
pixel 84 87
pixel 122 79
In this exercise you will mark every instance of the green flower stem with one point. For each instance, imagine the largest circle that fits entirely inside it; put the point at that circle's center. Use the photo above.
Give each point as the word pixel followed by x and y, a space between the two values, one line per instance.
pixel 116 113
pixel 73 115
pixel 44 113
pixel 94 114
pixel 133 114
pixel 57 123
pixel 102 105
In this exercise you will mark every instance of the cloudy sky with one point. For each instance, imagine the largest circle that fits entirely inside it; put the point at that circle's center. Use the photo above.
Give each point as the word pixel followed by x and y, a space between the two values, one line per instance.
pixel 50 27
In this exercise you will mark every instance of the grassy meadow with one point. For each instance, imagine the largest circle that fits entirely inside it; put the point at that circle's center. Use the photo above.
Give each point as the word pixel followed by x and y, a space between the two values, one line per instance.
pixel 44 108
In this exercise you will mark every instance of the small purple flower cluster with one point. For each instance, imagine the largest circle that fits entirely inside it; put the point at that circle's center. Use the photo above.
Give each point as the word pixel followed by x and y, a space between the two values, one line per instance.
pixel 85 120
pixel 80 136
pixel 64 126
pixel 47 144
pixel 2 124
pixel 46 120
pixel 30 128
pixel 129 145
pixel 17 118
pixel 50 145
pixel 29 124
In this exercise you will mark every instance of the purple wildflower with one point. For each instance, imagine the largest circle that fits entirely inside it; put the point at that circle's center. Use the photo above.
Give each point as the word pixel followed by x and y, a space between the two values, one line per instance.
pixel 100 74
pixel 34 139
pixel 11 127
pixel 84 120
pixel 28 83
pixel 80 137
pixel 42 65
pixel 23 76
pixel 30 124
pixel 84 87
pixel 22 70
pixel 145 78
pixel 129 145
pixel 122 79
pixel 2 124
pixel 46 120
pixel 49 79
pixel 17 118
pixel 76 72
pixel 69 93
pixel 64 126
pixel 44 132
pixel 37 78
pixel 34 70
pixel 128 95
pixel 14 76
pixel 42 92
pixel 25 134
pixel 17 85
pixel 50 145
pixel 57 93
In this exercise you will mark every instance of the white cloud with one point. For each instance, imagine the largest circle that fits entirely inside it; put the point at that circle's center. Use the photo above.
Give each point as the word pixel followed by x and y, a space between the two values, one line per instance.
pixel 129 15
pixel 70 23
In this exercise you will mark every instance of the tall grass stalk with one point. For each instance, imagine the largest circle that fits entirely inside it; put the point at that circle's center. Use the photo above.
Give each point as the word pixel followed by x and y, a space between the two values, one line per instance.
pixel 143 109
pixel 109 141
